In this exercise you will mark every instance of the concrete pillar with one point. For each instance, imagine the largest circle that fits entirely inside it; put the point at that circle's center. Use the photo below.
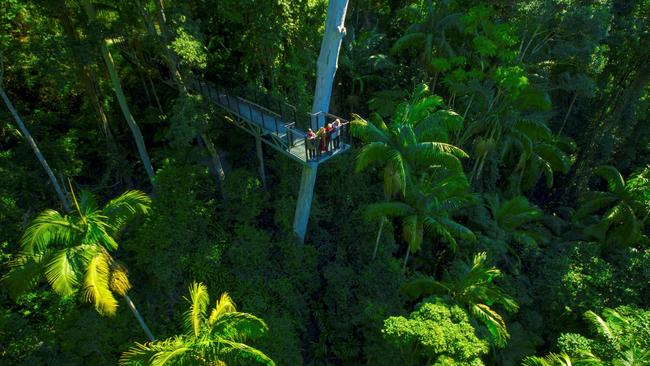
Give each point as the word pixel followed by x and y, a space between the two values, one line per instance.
pixel 260 157
pixel 305 196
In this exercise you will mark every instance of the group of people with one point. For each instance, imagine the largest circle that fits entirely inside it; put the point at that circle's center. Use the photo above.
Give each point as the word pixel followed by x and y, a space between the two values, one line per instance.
pixel 327 139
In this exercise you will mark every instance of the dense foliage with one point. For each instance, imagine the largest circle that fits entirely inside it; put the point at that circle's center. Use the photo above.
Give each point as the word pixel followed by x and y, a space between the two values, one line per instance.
pixel 494 208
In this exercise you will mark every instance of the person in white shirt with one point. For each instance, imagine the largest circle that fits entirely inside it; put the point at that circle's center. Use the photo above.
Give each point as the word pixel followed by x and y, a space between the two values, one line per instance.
pixel 336 133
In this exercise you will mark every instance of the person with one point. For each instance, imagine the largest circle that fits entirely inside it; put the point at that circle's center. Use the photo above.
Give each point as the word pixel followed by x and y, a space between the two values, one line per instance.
pixel 336 133
pixel 322 136
pixel 311 144
pixel 328 131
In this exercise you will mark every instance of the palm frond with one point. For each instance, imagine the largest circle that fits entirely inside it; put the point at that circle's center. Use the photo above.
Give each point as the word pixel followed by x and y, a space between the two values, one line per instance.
pixel 446 119
pixel 413 231
pixel 614 179
pixel 138 355
pixel 372 153
pixel 594 202
pixel 234 353
pixel 26 271
pixel 558 160
pixel 457 229
pixel 407 41
pixel 119 283
pixel 424 286
pixel 199 301
pixel 96 285
pixel 47 229
pixel 224 305
pixel 387 209
pixel 535 129
pixel 239 326
pixel 516 212
pixel 442 147
pixel 61 274
pixel 368 132
pixel 121 209
pixel 493 321
pixel 599 324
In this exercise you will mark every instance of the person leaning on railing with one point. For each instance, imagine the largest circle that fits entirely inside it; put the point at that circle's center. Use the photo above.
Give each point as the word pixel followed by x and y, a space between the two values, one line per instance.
pixel 328 132
pixel 322 138
pixel 336 133
pixel 311 144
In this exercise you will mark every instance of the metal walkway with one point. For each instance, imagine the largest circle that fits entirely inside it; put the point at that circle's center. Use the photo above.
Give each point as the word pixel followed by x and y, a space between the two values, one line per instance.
pixel 277 131
pixel 253 112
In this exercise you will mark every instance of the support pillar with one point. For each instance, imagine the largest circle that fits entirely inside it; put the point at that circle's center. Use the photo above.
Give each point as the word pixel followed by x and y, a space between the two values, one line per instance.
pixel 305 196
pixel 260 157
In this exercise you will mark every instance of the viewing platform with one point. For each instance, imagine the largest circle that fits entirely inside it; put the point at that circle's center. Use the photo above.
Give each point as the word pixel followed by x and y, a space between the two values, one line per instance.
pixel 284 131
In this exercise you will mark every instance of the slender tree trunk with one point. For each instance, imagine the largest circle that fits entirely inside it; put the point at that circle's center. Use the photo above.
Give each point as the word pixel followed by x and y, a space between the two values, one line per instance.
pixel 88 81
pixel 406 258
pixel 155 95
pixel 170 58
pixel 37 151
pixel 381 227
pixel 216 162
pixel 568 112
pixel 137 315
pixel 121 98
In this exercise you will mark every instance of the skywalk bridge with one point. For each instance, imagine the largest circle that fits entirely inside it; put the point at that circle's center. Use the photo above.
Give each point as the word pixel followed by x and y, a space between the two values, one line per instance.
pixel 284 130
pixel 277 123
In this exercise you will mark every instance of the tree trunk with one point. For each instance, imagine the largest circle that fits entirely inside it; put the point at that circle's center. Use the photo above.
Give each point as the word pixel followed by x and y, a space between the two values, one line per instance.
pixel 329 55
pixel 37 151
pixel 170 58
pixel 568 112
pixel 406 258
pixel 326 69
pixel 216 162
pixel 381 227
pixel 121 98
pixel 137 315
pixel 88 81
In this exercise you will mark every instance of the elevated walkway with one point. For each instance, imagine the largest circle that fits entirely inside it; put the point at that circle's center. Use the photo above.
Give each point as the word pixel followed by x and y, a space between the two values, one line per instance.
pixel 277 123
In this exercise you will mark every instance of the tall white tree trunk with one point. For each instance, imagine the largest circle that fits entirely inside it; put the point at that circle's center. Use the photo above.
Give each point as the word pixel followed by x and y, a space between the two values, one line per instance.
pixel 327 65
pixel 37 151
pixel 329 55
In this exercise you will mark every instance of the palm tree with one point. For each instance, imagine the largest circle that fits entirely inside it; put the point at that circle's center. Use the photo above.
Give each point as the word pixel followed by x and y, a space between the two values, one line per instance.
pixel 73 251
pixel 428 37
pixel 473 287
pixel 428 208
pixel 618 224
pixel 510 215
pixel 536 152
pixel 615 327
pixel 214 339
pixel 562 359
pixel 616 330
pixel 416 140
